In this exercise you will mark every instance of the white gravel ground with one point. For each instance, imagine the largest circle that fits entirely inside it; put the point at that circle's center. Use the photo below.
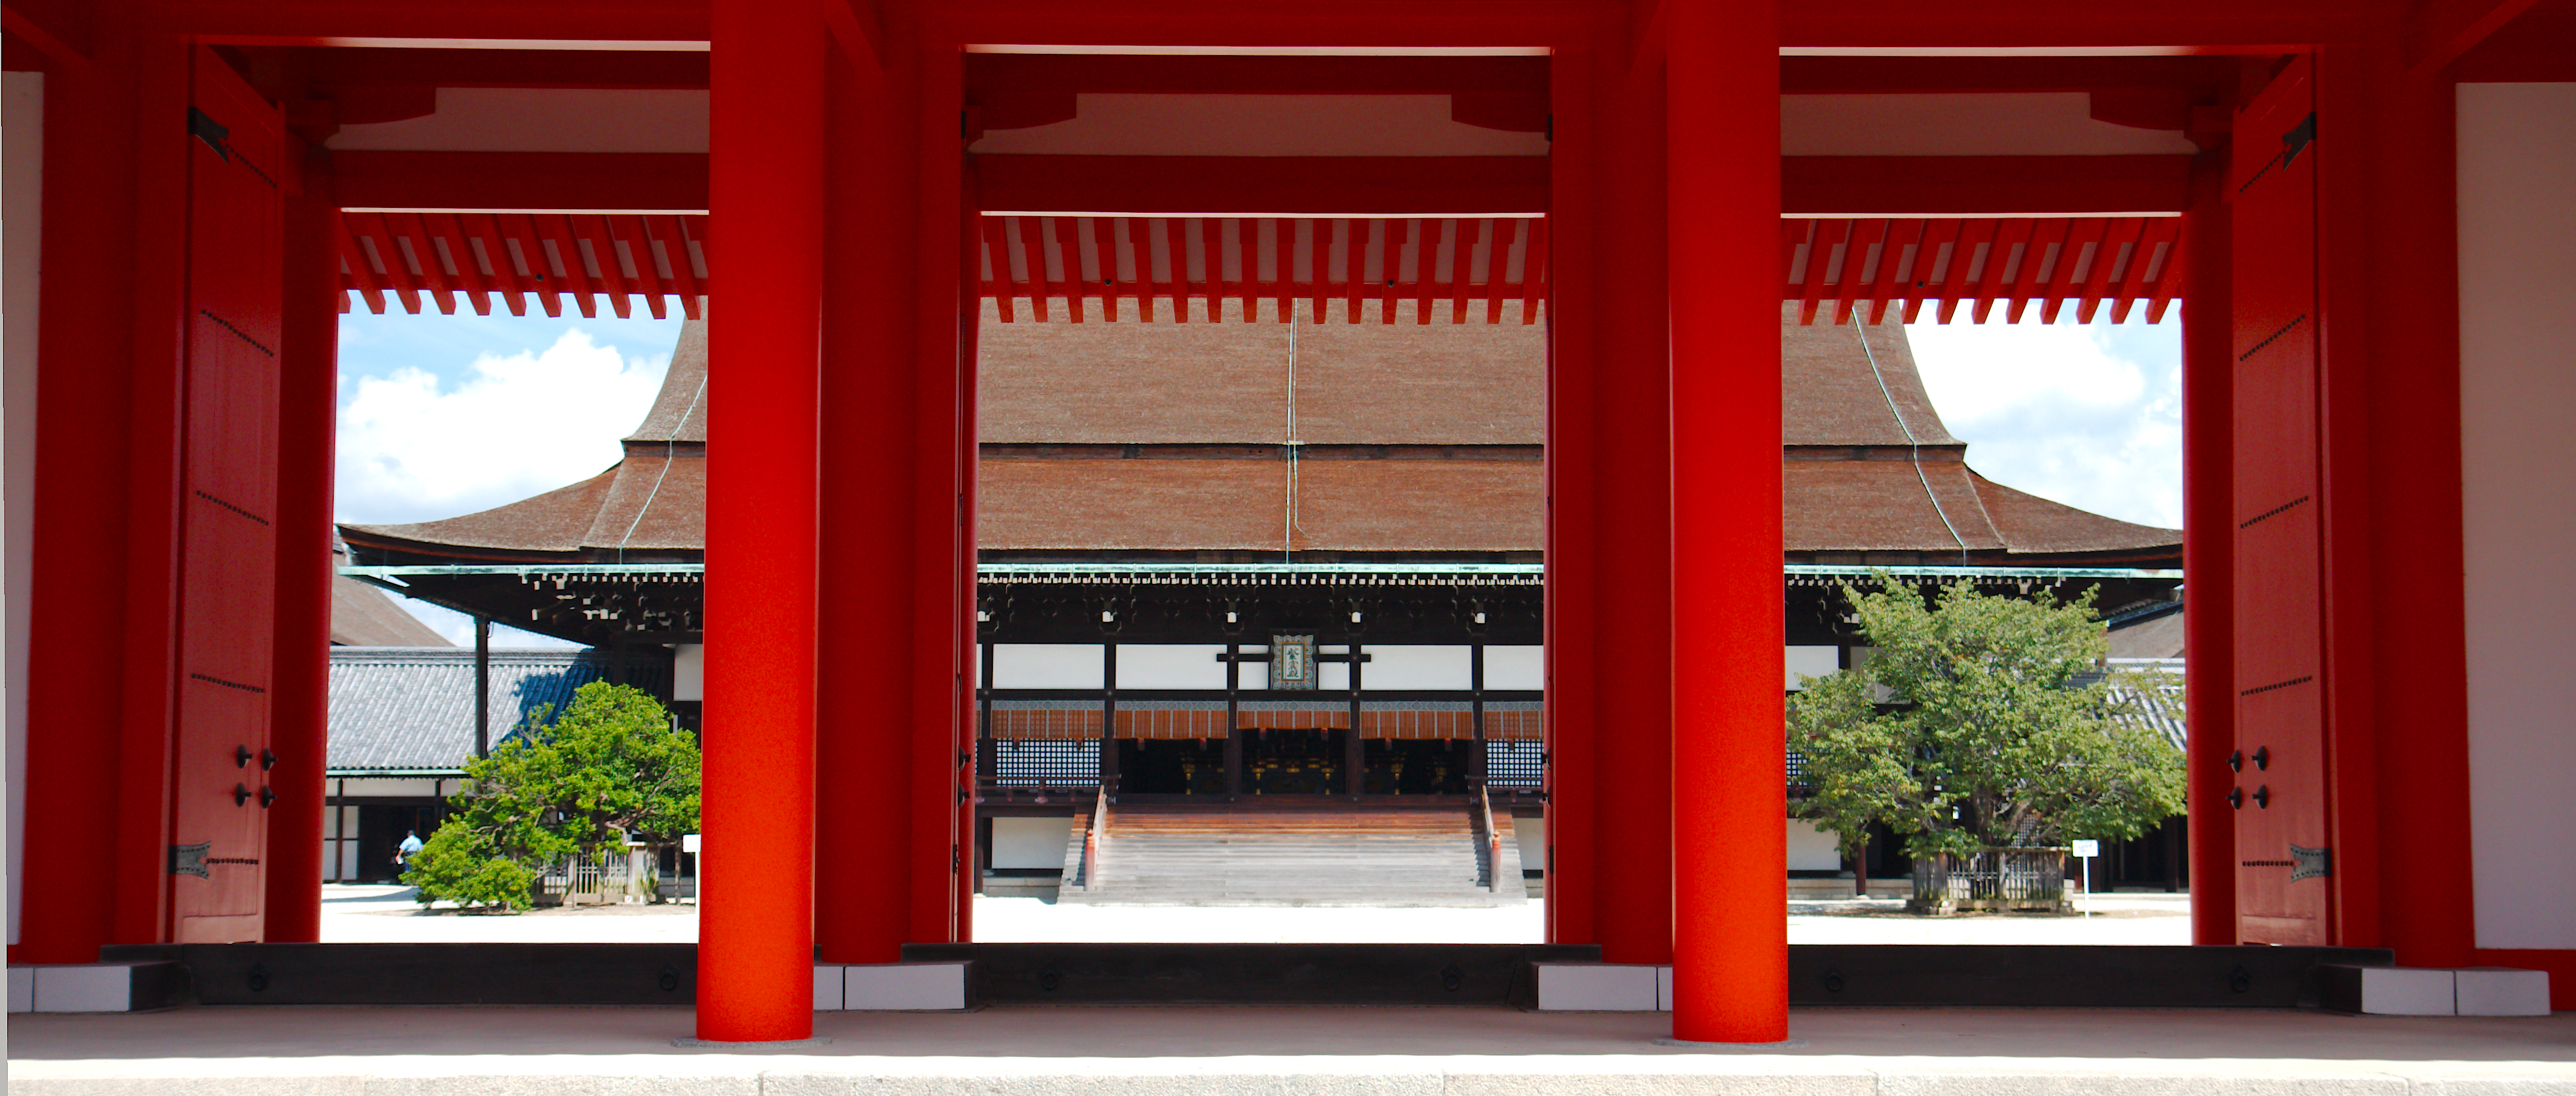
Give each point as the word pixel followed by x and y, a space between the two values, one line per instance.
pixel 387 914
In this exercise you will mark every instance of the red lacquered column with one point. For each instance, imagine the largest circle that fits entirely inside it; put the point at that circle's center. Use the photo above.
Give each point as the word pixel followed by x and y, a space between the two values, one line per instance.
pixel 756 930
pixel 1730 943
pixel 870 334
pixel 2209 436
pixel 300 705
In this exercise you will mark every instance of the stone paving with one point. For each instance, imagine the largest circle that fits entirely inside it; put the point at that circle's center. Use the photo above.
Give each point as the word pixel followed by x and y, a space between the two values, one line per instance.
pixel 1283 1051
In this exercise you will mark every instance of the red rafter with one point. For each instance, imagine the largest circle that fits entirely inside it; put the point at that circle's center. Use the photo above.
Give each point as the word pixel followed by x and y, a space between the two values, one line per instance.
pixel 992 248
pixel 1929 277
pixel 1106 252
pixel 449 235
pixel 558 230
pixel 1888 268
pixel 1534 272
pixel 674 234
pixel 361 273
pixel 487 237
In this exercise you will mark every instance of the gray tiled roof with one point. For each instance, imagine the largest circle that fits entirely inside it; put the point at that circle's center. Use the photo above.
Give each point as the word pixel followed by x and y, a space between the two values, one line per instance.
pixel 411 709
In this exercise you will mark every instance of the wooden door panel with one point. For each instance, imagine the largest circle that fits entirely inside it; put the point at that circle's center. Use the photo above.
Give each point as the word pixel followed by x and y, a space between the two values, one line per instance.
pixel 228 566
pixel 2276 427
pixel 2278 606
pixel 2281 811
pixel 217 826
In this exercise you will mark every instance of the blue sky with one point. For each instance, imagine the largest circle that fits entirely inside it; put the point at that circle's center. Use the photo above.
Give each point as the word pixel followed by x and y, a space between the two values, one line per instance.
pixel 2088 415
pixel 448 415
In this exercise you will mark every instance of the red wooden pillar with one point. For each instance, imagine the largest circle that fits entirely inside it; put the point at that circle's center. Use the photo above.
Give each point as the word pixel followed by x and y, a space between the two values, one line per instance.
pixel 299 705
pixel 2209 532
pixel 862 892
pixel 756 936
pixel 1572 593
pixel 2402 865
pixel 1609 684
pixel 1730 944
pixel 942 515
pixel 84 367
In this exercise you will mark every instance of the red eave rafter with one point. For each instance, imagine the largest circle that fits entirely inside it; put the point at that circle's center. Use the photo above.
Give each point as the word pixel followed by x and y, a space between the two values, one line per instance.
pixel 1337 267
pixel 1838 268
pixel 587 256
pixel 1883 264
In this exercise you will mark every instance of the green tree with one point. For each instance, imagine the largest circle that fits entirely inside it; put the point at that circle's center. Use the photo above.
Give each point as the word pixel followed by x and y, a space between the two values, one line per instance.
pixel 1982 721
pixel 610 770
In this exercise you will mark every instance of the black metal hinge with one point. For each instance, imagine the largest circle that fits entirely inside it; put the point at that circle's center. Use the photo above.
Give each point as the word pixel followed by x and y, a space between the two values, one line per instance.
pixel 204 128
pixel 2298 138
pixel 190 859
pixel 2307 863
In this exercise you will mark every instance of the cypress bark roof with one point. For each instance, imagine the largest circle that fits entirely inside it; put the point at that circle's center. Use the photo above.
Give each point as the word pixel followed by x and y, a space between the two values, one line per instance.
pixel 1166 438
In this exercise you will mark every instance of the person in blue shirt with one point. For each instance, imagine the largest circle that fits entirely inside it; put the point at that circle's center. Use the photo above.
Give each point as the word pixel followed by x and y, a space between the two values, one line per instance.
pixel 410 845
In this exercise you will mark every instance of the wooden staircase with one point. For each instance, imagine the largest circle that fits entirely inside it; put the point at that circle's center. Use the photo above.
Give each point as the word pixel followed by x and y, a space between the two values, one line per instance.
pixel 1271 854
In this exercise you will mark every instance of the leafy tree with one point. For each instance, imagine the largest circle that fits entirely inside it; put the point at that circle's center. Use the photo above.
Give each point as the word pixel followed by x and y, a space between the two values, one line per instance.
pixel 610 770
pixel 1982 721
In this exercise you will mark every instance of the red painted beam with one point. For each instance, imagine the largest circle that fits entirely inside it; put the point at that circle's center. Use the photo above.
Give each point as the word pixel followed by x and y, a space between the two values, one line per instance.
pixel 1920 186
pixel 2214 76
pixel 2184 26
pixel 634 181
pixel 331 69
pixel 1258 185
pixel 567 23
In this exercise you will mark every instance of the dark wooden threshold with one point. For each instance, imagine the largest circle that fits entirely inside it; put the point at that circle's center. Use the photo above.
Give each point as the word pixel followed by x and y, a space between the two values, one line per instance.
pixel 1492 975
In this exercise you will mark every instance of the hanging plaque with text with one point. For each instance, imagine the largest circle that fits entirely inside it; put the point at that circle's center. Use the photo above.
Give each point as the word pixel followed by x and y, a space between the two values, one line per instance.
pixel 1292 662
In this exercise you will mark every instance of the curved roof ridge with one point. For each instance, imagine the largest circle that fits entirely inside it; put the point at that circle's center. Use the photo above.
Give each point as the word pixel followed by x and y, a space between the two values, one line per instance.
pixel 679 410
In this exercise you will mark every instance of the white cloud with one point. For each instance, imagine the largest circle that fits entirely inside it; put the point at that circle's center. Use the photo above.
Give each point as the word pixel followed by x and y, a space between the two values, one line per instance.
pixel 2087 415
pixel 414 449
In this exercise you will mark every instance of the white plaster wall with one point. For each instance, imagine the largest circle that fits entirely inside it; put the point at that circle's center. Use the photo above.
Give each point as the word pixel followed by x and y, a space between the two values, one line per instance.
pixel 1531 834
pixel 1030 842
pixel 1812 849
pixel 1418 667
pixel 1047 666
pixel 1169 666
pixel 1516 667
pixel 22 146
pixel 688 671
pixel 1333 676
pixel 2517 225
pixel 1810 662
pixel 1252 675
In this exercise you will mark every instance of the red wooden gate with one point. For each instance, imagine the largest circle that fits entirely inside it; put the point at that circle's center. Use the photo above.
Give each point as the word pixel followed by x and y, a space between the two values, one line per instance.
pixel 229 479
pixel 2280 787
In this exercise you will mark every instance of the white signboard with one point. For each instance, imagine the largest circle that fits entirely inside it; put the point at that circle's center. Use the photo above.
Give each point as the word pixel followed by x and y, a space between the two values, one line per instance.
pixel 688 842
pixel 2088 849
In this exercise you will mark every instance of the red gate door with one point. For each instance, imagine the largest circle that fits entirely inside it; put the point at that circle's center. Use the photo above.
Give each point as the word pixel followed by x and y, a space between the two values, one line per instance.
pixel 2280 787
pixel 229 484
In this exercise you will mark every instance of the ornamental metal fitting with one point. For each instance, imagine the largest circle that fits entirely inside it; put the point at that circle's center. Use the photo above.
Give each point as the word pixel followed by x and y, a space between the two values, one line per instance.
pixel 190 859
pixel 2307 863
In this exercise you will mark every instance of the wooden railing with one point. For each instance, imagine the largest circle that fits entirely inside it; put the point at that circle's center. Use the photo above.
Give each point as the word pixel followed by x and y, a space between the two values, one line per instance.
pixel 1493 838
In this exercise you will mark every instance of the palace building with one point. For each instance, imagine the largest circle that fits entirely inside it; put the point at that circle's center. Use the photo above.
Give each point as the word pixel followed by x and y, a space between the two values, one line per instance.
pixel 1162 504
pixel 889 208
